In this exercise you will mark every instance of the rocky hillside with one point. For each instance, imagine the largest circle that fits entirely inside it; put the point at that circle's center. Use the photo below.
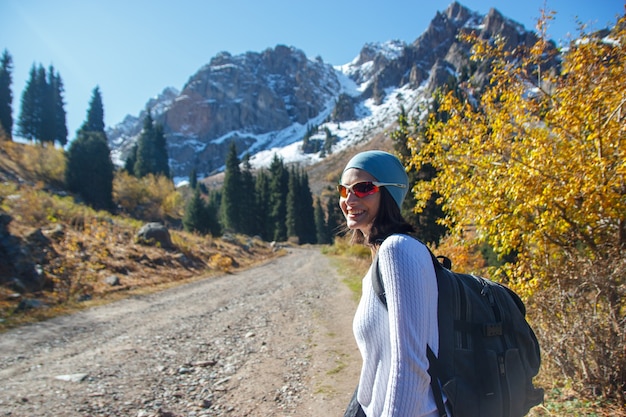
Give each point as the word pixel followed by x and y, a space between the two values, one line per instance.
pixel 56 253
pixel 267 101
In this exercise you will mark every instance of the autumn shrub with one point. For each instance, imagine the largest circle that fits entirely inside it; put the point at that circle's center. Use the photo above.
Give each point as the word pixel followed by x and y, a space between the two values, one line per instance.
pixel 37 163
pixel 582 327
pixel 535 165
pixel 221 262
pixel 35 207
pixel 150 198
pixel 68 273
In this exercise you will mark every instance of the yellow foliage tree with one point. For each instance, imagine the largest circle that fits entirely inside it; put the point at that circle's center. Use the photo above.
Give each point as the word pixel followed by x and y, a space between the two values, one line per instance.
pixel 537 165
pixel 151 198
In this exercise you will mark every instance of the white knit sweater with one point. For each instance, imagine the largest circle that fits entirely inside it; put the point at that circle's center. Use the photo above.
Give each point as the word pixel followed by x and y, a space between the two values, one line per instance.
pixel 394 379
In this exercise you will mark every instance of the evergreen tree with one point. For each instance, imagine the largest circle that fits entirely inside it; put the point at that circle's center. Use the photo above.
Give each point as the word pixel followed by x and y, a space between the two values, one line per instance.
pixel 231 192
pixel 150 155
pixel 300 217
pixel 335 221
pixel 213 210
pixel 262 203
pixel 328 143
pixel 145 157
pixel 292 219
pixel 29 121
pixel 321 228
pixel 47 127
pixel 95 113
pixel 161 158
pixel 307 213
pixel 42 116
pixel 89 170
pixel 278 189
pixel 43 119
pixel 197 217
pixel 248 206
pixel 131 160
pixel 193 179
pixel 58 108
pixel 6 95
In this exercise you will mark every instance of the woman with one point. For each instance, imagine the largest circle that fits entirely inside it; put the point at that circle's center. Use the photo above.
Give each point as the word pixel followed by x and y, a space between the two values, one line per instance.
pixel 394 377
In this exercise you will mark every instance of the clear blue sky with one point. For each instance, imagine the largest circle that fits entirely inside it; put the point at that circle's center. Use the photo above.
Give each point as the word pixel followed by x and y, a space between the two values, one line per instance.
pixel 132 49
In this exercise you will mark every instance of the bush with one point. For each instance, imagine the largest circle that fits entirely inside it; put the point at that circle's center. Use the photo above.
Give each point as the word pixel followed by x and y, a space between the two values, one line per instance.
pixel 36 163
pixel 151 198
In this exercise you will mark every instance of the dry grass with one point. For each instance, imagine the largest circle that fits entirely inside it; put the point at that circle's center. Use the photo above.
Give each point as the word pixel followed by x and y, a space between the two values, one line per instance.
pixel 84 247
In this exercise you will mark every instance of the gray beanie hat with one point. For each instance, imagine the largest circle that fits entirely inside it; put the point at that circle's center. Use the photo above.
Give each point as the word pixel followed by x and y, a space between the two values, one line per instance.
pixel 385 167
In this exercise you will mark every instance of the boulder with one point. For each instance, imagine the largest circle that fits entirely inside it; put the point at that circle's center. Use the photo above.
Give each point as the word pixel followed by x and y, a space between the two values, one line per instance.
pixel 154 234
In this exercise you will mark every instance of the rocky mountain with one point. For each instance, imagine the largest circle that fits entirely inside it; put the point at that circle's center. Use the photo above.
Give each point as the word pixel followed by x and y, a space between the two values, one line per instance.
pixel 267 102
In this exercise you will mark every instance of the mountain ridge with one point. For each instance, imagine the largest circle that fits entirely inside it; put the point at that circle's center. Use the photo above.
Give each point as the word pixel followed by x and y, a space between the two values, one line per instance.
pixel 267 101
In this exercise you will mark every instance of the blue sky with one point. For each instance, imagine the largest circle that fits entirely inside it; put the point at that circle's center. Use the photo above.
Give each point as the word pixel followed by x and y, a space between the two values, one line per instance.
pixel 133 49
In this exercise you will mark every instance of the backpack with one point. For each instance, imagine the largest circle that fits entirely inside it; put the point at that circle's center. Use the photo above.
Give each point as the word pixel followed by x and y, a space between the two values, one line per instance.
pixel 488 353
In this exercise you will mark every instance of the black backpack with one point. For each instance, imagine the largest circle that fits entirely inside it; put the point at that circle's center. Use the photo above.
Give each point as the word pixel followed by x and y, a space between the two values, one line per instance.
pixel 488 353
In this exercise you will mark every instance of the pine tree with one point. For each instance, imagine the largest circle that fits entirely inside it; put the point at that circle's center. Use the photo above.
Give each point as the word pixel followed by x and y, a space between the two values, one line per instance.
pixel 231 191
pixel 89 170
pixel 6 95
pixel 195 218
pixel 307 215
pixel 29 121
pixel 95 113
pixel 60 124
pixel 248 206
pixel 144 162
pixel 131 160
pixel 43 109
pixel 328 143
pixel 278 189
pixel 321 228
pixel 42 116
pixel 335 221
pixel 300 215
pixel 161 158
pixel 262 203
pixel 193 179
pixel 150 155
pixel 292 219
pixel 213 209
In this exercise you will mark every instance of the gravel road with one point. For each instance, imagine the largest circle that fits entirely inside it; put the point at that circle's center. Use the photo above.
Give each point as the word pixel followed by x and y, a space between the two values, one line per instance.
pixel 273 340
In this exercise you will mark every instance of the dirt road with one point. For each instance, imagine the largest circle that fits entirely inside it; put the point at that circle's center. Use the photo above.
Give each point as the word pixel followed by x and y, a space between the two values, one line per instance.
pixel 274 340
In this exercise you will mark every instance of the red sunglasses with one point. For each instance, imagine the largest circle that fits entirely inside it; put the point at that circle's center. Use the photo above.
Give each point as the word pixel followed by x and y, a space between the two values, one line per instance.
pixel 363 189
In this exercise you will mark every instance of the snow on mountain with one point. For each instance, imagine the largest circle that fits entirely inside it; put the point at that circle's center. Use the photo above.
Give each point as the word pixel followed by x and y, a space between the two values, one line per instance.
pixel 267 102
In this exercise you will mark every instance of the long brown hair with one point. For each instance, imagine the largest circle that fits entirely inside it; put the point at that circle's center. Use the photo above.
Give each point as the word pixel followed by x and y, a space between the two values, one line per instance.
pixel 388 221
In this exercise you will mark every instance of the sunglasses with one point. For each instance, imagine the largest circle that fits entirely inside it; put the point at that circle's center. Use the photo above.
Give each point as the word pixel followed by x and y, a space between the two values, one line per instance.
pixel 363 189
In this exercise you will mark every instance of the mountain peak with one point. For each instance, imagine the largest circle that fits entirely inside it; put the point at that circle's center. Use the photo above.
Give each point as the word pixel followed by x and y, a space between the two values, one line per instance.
pixel 269 101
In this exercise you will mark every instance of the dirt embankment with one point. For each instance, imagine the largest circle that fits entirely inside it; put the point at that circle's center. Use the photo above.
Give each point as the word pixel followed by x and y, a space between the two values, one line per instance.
pixel 273 340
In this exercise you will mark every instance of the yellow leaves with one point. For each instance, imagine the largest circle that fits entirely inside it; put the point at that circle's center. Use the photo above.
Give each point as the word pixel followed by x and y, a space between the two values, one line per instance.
pixel 221 262
pixel 539 163
pixel 149 197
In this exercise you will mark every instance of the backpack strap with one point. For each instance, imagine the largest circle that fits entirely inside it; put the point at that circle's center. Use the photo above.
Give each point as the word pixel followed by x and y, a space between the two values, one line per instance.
pixel 433 366
pixel 434 372
pixel 377 282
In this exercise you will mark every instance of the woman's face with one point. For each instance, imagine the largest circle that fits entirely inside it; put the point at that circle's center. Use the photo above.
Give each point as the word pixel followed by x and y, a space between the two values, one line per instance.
pixel 359 212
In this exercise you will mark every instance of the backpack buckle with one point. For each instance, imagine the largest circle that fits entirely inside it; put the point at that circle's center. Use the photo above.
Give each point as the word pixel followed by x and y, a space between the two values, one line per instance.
pixel 492 329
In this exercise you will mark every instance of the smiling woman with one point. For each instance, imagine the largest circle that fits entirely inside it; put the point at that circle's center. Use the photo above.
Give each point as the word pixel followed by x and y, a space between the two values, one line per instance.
pixel 394 377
